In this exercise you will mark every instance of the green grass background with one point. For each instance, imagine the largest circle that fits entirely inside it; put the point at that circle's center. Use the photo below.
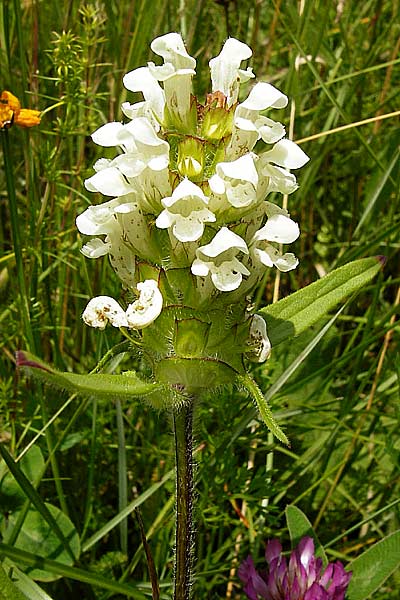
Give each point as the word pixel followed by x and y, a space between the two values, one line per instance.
pixel 340 408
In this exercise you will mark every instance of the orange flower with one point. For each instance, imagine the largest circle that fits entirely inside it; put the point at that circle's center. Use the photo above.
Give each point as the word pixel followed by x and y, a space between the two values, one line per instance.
pixel 11 112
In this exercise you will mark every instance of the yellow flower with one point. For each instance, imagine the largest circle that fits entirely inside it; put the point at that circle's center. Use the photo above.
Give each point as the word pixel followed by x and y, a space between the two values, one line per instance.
pixel 11 112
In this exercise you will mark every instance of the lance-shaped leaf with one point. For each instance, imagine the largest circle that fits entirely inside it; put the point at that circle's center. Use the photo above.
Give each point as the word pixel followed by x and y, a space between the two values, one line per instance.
pixel 249 385
pixel 295 313
pixel 299 526
pixel 373 567
pixel 100 385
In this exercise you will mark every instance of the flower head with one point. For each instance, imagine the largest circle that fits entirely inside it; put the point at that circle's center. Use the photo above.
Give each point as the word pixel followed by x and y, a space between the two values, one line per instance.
pixel 187 222
pixel 12 113
pixel 300 578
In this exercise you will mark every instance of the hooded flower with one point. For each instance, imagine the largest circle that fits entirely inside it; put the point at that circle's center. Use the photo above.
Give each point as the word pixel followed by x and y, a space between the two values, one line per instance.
pixel 186 212
pixel 237 180
pixel 300 578
pixel 226 74
pixel 218 258
pixel 250 126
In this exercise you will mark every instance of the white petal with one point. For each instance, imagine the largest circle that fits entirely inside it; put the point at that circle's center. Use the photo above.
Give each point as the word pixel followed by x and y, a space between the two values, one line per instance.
pixel 99 219
pixel 95 248
pixel 264 95
pixel 259 341
pixel 279 228
pixel 200 267
pixel 228 275
pixel 141 80
pixel 102 310
pixel 143 131
pixel 102 163
pixel 164 220
pixel 172 49
pixel 287 154
pixel 217 184
pixel 263 257
pixel 188 230
pixel 269 130
pixel 188 188
pixel 224 240
pixel 241 168
pixel 280 180
pixel 225 72
pixel 107 135
pixel 147 307
pixel 286 262
pixel 109 182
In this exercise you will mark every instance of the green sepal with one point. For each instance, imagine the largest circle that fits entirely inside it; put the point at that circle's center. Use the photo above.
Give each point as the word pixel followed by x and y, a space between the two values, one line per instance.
pixel 100 385
pixel 295 313
pixel 246 383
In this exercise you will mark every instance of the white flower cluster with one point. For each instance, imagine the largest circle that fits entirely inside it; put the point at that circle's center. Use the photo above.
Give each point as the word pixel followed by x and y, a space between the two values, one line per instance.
pixel 187 190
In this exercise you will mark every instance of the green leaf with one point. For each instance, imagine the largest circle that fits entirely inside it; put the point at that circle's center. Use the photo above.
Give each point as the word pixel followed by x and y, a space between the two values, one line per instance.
pixel 39 536
pixel 299 526
pixel 373 567
pixel 8 590
pixel 295 313
pixel 36 500
pixel 100 385
pixel 11 494
pixel 249 385
pixel 62 570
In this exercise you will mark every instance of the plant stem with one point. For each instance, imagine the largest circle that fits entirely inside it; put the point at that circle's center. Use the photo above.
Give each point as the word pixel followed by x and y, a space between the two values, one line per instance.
pixel 183 432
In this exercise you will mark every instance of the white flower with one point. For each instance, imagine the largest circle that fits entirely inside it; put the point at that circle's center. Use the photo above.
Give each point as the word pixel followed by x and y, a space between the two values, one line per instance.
pixel 285 153
pixel 102 310
pixel 147 307
pixel 219 259
pixel 108 180
pixel 260 346
pixel 176 73
pixel 271 257
pixel 277 179
pixel 226 74
pixel 142 148
pixel 250 126
pixel 142 80
pixel 186 212
pixel 278 228
pixel 237 179
pixel 102 220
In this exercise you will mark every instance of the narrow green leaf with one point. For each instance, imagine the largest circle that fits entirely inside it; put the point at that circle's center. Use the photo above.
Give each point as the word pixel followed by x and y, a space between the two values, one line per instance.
pixel 92 578
pixel 299 526
pixel 100 385
pixel 8 590
pixel 249 385
pixel 24 583
pixel 373 567
pixel 295 313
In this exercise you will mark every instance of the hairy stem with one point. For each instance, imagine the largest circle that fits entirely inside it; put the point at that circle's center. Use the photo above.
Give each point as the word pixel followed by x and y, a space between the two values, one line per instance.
pixel 183 432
